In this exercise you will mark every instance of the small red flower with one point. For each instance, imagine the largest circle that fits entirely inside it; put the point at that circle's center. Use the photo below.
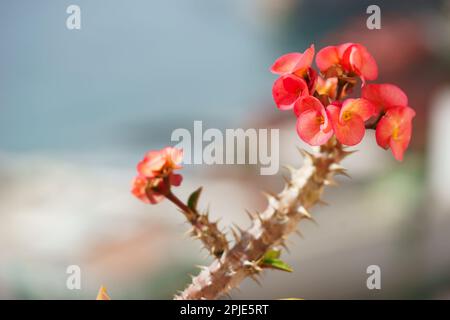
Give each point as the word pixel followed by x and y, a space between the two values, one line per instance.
pixel 384 96
pixel 394 130
pixel 351 57
pixel 294 63
pixel 156 176
pixel 287 89
pixel 313 125
pixel 348 120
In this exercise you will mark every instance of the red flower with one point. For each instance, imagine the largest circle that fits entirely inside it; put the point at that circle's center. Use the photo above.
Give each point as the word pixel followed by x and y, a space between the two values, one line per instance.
pixel 384 96
pixel 155 174
pixel 348 120
pixel 294 63
pixel 351 57
pixel 313 125
pixel 394 130
pixel 287 89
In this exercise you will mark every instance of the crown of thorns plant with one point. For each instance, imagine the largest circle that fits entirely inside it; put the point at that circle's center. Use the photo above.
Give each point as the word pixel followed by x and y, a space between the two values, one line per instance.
pixel 326 117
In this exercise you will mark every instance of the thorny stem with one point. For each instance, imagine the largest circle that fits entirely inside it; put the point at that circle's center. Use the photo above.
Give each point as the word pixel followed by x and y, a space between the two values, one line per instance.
pixel 188 213
pixel 271 227
pixel 213 239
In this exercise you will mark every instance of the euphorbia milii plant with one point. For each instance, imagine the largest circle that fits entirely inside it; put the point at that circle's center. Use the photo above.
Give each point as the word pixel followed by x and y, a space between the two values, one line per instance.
pixel 327 116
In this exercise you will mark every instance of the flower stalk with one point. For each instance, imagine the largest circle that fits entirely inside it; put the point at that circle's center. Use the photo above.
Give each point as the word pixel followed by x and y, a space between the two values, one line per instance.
pixel 270 228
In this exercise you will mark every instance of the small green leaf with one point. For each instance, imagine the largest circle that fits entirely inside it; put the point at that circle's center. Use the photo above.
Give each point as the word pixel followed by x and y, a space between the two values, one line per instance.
pixel 276 264
pixel 272 254
pixel 193 199
pixel 271 260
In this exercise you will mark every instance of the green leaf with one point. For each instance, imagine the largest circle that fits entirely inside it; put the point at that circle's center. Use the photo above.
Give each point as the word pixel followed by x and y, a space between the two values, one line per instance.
pixel 272 254
pixel 193 199
pixel 276 264
pixel 271 260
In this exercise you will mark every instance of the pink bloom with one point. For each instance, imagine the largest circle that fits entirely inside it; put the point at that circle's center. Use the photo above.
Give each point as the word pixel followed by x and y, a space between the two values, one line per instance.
pixel 142 190
pixel 156 176
pixel 294 63
pixel 384 96
pixel 313 126
pixel 348 121
pixel 351 57
pixel 287 89
pixel 394 130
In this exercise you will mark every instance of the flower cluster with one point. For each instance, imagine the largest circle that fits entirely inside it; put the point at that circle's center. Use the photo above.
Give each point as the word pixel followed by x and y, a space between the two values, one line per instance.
pixel 318 99
pixel 156 174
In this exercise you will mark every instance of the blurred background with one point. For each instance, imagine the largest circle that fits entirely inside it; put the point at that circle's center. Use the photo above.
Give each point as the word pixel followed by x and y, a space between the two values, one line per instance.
pixel 79 108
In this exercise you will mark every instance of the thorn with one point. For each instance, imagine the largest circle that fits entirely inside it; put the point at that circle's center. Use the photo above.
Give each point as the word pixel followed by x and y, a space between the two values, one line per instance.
pixel 323 203
pixel 272 199
pixel 339 170
pixel 297 232
pixel 254 278
pixel 283 244
pixel 250 215
pixel 258 215
pixel 342 172
pixel 307 155
pixel 236 236
pixel 202 268
pixel 302 210
pixel 345 153
pixel 290 168
pixel 238 228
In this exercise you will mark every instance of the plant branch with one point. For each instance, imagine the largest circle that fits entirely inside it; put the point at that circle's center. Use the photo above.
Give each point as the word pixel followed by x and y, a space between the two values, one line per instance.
pixel 203 229
pixel 271 227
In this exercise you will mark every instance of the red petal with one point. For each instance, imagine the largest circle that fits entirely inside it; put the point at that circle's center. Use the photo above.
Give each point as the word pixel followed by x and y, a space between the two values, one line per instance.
pixel 349 132
pixel 384 96
pixel 383 132
pixel 356 58
pixel 306 103
pixel 327 57
pixel 139 188
pixel 175 179
pixel 287 89
pixel 305 61
pixel 394 130
pixel 309 128
pixel 286 63
pixel 360 107
pixel 152 162
pixel 174 157
pixel 294 62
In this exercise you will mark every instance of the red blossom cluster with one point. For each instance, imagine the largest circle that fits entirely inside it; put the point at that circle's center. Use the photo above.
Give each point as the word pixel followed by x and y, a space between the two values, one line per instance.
pixel 156 174
pixel 317 99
